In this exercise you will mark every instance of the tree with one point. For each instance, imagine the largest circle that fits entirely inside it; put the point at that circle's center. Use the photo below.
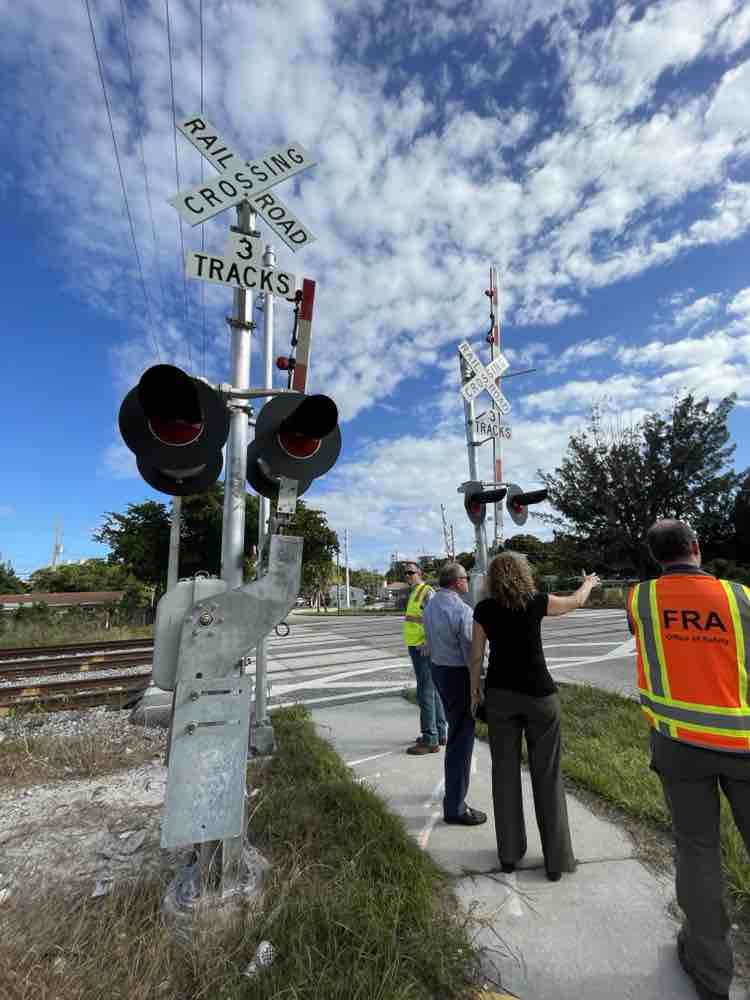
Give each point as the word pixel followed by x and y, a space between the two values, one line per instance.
pixel 10 583
pixel 319 548
pixel 368 580
pixel 614 483
pixel 92 574
pixel 139 539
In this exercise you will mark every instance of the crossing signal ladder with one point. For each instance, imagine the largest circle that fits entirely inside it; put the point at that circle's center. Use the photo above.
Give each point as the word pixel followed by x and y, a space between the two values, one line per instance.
pixel 176 426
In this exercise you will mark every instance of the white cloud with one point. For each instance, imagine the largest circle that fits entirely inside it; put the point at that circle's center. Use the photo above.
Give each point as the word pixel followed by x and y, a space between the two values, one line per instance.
pixel 416 191
pixel 741 303
pixel 118 462
pixel 697 311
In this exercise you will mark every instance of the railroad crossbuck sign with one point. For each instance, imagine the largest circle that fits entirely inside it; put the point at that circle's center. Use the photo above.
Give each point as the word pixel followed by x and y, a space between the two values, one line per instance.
pixel 239 179
pixel 483 377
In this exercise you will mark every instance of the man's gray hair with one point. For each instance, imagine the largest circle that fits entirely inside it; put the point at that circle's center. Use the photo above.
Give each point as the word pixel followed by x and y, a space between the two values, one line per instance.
pixel 670 540
pixel 449 573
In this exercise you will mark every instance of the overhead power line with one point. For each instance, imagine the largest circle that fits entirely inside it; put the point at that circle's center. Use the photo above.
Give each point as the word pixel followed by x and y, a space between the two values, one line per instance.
pixel 177 164
pixel 142 154
pixel 122 179
pixel 203 228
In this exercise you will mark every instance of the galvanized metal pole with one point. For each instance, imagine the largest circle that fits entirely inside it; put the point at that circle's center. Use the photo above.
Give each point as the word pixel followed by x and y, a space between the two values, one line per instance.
pixel 233 527
pixel 471 446
pixel 261 736
pixel 173 570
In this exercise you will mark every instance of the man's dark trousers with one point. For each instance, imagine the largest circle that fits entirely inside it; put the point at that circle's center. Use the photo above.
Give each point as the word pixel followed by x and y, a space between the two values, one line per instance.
pixel 453 684
pixel 691 777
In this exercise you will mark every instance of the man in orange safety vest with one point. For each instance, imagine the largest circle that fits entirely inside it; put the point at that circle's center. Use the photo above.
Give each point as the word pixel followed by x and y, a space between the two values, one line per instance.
pixel 692 635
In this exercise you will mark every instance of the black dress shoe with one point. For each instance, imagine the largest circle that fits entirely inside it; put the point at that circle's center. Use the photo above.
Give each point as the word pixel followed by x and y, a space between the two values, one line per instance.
pixel 472 817
pixel 507 868
pixel 703 991
pixel 554 876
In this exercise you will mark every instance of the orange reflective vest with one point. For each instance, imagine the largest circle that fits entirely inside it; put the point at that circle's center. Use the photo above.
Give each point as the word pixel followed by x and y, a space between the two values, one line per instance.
pixel 413 627
pixel 692 637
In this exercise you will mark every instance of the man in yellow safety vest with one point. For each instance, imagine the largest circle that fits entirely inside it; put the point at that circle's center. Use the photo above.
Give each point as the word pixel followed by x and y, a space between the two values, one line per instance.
pixel 432 719
pixel 692 635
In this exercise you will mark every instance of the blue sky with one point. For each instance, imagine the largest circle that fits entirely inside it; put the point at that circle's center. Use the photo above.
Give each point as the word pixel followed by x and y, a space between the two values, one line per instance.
pixel 597 153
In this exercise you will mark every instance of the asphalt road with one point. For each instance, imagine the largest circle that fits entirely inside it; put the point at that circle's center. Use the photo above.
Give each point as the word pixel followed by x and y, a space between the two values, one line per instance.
pixel 333 660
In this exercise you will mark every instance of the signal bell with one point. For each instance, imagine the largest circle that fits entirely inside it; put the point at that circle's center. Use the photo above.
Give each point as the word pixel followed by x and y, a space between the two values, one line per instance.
pixel 296 436
pixel 176 426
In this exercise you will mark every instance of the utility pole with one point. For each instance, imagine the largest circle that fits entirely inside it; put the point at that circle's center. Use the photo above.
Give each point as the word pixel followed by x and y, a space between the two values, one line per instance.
pixel 338 579
pixel 346 564
pixel 57 548
pixel 449 547
pixel 493 338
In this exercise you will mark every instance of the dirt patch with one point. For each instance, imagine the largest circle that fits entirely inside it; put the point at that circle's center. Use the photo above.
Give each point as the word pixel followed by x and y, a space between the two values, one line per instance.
pixel 92 831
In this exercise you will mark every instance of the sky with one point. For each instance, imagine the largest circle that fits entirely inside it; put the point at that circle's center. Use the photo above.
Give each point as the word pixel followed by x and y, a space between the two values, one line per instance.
pixel 596 153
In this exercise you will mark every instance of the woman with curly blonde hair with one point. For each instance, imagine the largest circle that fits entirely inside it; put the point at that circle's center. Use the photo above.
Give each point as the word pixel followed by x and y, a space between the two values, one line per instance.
pixel 521 698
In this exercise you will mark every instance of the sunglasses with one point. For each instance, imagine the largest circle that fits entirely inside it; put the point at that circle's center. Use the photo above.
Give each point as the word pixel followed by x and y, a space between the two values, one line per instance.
pixel 411 572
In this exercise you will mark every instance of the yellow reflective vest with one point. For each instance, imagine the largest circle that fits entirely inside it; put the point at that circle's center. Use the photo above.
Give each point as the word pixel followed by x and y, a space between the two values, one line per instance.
pixel 692 637
pixel 413 627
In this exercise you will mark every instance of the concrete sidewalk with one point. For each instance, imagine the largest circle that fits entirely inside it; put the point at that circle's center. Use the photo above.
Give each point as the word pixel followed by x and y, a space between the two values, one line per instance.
pixel 601 932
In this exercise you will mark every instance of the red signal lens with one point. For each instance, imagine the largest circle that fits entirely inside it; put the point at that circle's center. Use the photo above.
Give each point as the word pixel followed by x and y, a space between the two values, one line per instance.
pixel 175 431
pixel 298 445
pixel 282 364
pixel 475 508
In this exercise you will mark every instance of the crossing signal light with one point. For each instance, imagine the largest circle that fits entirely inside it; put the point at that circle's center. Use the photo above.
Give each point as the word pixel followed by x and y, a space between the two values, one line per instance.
pixel 518 502
pixel 296 436
pixel 476 500
pixel 176 426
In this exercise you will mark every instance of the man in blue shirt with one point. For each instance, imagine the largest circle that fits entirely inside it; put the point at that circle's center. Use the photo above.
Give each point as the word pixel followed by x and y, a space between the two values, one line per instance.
pixel 448 623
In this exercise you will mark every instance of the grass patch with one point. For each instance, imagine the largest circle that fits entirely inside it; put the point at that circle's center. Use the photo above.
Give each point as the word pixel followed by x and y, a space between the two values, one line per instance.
pixel 353 908
pixel 606 752
pixel 36 634
pixel 34 760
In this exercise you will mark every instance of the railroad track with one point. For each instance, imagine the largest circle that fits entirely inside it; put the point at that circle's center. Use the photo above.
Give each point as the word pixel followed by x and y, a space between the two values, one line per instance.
pixel 19 669
pixel 76 679
pixel 119 691
pixel 74 649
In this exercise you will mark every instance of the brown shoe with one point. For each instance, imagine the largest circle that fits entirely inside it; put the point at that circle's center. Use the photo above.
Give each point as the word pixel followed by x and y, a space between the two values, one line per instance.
pixel 422 748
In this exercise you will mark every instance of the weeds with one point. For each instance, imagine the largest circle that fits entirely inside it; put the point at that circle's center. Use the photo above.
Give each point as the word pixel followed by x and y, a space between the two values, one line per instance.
pixel 354 909
pixel 40 634
pixel 27 760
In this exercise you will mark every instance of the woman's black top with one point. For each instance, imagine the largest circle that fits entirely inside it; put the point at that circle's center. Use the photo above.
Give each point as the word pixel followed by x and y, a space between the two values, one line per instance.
pixel 516 656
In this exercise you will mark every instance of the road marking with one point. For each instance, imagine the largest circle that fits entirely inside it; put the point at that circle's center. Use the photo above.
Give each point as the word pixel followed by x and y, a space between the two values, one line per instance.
pixel 323 682
pixel 362 760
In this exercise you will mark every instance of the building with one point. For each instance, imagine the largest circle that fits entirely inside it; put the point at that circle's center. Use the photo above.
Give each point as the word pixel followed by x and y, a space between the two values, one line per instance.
pixel 59 602
pixel 357 596
pixel 397 594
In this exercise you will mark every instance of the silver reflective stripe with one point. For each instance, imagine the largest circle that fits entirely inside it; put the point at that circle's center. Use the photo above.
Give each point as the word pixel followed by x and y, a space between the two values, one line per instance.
pixel 650 654
pixel 711 720
pixel 743 605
